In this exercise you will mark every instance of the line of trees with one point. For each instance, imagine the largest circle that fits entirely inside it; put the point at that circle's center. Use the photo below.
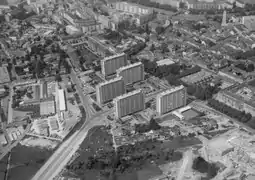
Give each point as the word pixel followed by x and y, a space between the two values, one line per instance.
pixel 234 113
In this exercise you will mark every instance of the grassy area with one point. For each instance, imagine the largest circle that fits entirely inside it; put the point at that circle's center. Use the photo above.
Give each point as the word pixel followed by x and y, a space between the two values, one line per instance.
pixel 97 138
pixel 97 157
pixel 26 161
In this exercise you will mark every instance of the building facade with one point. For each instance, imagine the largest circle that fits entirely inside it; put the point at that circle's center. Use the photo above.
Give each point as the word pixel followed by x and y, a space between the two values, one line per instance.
pixel 129 103
pixel 207 5
pixel 109 90
pixel 171 100
pixel 143 14
pixel 131 73
pixel 110 64
pixel 173 3
pixel 132 8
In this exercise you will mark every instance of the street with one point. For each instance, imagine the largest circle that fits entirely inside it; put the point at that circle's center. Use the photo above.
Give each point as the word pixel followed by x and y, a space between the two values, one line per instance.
pixel 68 148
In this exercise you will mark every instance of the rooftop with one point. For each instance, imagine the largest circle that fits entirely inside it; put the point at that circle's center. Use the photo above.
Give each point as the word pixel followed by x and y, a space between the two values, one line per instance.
pixel 249 22
pixel 243 92
pixel 128 94
pixel 165 62
pixel 171 90
pixel 114 56
pixel 110 81
pixel 4 75
pixel 129 66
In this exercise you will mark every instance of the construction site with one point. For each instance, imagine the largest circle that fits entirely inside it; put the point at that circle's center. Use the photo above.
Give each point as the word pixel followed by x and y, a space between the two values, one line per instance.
pixel 231 152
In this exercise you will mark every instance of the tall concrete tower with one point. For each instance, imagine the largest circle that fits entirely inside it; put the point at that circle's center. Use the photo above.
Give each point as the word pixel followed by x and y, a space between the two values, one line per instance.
pixel 224 19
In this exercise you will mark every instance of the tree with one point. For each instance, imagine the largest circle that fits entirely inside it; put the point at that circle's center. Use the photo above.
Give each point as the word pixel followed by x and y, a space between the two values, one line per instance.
pixel 164 48
pixel 147 29
pixel 58 77
pixel 191 90
pixel 182 5
pixel 123 25
pixel 159 29
pixel 154 125
pixel 152 48
pixel 250 68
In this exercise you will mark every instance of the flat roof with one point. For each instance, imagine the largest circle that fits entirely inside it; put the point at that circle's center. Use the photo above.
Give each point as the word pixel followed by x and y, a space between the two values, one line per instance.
pixel 129 66
pixel 4 75
pixel 62 101
pixel 114 56
pixel 47 107
pixel 242 92
pixel 128 94
pixel 165 62
pixel 110 81
pixel 171 90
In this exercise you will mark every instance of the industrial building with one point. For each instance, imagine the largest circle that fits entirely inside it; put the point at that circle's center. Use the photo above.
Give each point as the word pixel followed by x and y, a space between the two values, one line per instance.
pixel 129 103
pixel 109 90
pixel 110 64
pixel 131 73
pixel 47 107
pixel 171 99
pixel 43 90
pixel 62 100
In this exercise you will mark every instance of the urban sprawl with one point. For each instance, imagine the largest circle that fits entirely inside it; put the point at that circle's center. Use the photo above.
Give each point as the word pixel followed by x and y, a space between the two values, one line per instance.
pixel 127 90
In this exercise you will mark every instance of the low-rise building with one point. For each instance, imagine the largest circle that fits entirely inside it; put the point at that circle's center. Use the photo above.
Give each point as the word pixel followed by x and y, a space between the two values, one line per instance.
pixel 240 97
pixel 4 75
pixel 72 30
pixel 249 22
pixel 98 46
pixel 47 107
pixel 62 100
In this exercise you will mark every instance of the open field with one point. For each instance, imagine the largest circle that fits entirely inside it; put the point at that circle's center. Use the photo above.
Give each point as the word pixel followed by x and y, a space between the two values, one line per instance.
pixel 25 161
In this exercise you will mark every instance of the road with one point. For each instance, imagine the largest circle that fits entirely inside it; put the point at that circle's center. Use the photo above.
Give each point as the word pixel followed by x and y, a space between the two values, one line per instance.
pixel 68 148
pixel 187 160
pixel 10 110
pixel 65 152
